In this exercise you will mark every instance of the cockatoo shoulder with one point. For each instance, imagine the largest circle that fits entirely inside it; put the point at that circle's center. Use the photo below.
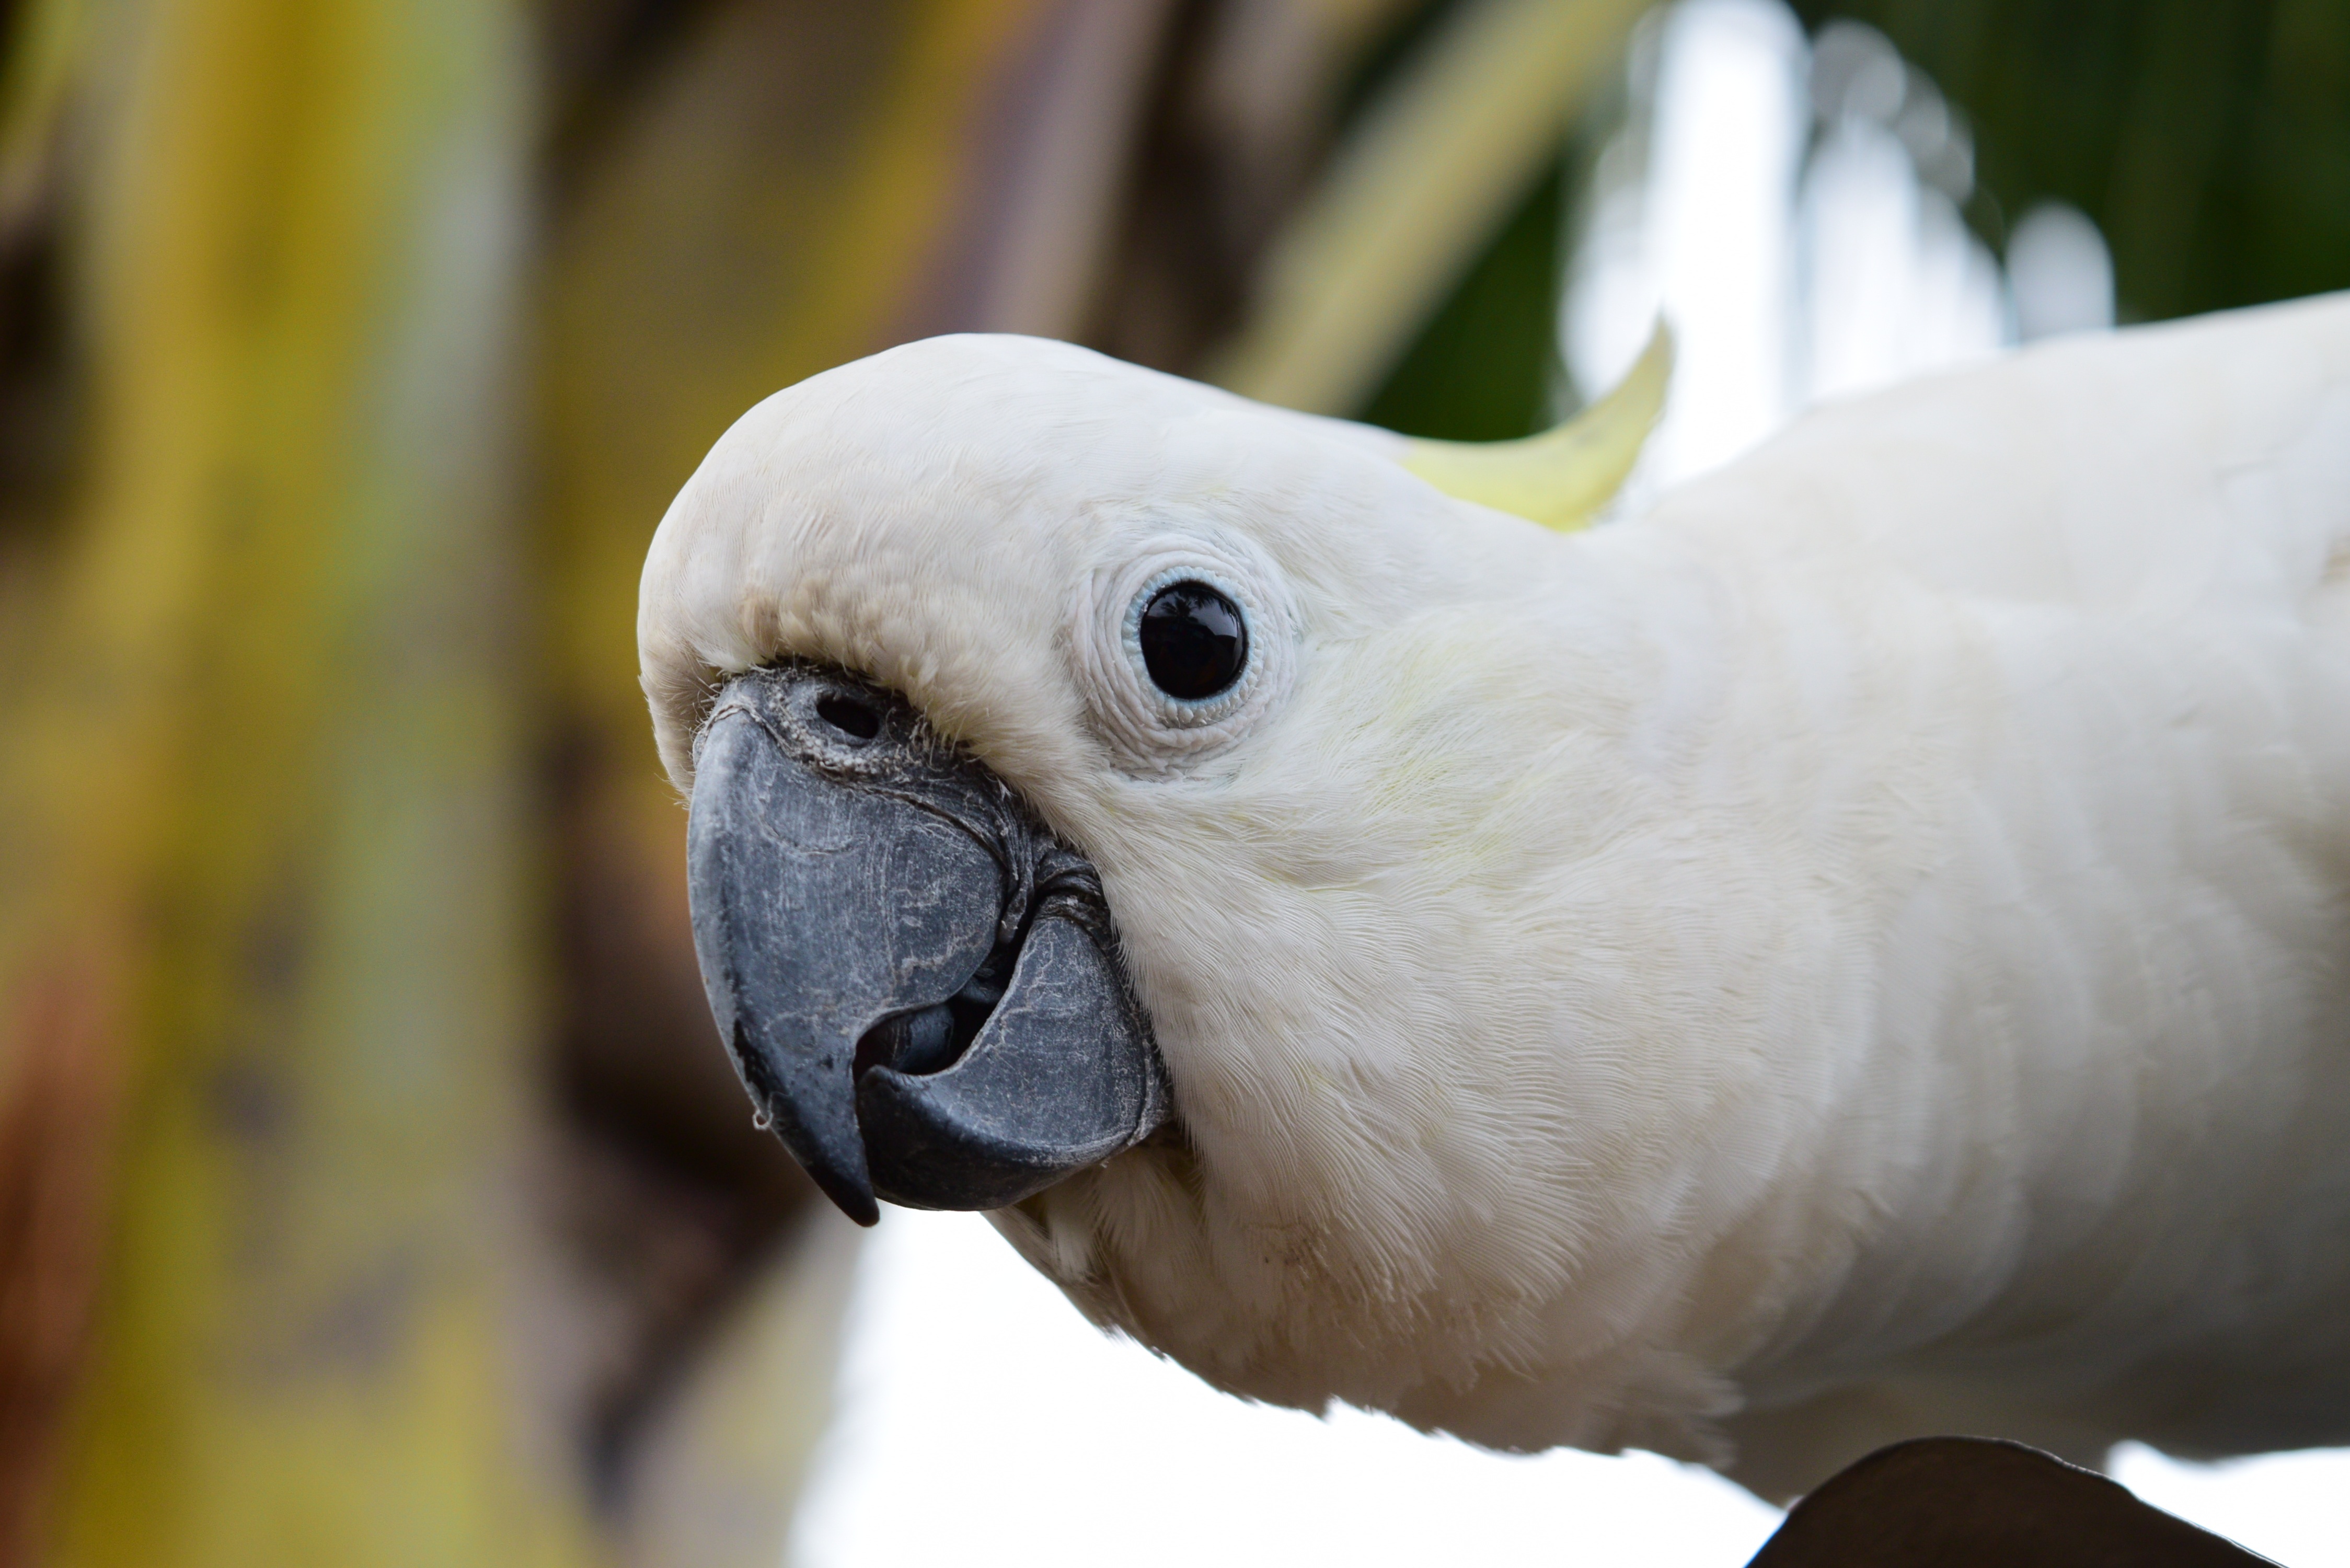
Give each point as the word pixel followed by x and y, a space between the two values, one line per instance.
pixel 2160 466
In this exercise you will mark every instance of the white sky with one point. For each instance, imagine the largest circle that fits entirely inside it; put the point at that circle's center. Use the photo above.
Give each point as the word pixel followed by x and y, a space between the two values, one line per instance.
pixel 1781 225
pixel 984 1423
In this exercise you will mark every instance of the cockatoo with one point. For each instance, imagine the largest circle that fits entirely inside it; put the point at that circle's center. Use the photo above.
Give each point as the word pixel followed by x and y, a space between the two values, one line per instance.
pixel 1860 948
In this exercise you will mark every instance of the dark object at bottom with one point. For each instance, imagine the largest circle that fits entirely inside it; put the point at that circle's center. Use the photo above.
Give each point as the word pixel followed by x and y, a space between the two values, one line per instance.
pixel 1971 1502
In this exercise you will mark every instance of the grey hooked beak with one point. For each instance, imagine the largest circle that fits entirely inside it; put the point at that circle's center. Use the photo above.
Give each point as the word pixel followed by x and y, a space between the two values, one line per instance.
pixel 920 987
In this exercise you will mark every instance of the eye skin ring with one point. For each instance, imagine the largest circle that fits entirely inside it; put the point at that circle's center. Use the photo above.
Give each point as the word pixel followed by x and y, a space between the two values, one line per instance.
pixel 1184 640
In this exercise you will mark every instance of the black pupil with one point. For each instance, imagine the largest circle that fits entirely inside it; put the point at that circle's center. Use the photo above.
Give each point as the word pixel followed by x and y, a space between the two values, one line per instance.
pixel 848 715
pixel 1194 643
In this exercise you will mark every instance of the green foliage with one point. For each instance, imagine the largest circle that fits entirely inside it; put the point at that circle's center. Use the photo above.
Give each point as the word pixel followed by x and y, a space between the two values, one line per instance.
pixel 1485 367
pixel 2211 142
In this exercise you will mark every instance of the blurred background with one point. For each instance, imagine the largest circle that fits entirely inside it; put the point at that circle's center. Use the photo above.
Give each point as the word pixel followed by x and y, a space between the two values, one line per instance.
pixel 372 1187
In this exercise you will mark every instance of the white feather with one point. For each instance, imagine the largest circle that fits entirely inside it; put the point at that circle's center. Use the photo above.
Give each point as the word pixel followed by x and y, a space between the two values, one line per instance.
pixel 1856 950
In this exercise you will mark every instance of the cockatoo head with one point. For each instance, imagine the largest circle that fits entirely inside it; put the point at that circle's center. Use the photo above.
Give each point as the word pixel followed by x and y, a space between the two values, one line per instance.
pixel 1114 804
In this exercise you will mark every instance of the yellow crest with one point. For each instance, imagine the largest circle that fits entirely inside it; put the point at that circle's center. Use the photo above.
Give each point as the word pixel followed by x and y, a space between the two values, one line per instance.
pixel 1561 477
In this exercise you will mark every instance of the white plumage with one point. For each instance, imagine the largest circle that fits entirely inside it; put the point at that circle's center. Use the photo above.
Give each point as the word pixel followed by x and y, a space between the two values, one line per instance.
pixel 1856 950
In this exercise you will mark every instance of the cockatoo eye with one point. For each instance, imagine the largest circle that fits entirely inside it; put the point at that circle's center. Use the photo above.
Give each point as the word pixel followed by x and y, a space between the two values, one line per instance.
pixel 1194 642
pixel 1184 639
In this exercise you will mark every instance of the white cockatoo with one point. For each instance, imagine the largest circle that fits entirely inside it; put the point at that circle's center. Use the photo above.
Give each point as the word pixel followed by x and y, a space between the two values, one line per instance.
pixel 1861 947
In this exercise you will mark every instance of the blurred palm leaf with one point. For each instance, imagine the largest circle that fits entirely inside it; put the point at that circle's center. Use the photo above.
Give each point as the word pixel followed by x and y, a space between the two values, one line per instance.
pixel 1431 172
pixel 262 844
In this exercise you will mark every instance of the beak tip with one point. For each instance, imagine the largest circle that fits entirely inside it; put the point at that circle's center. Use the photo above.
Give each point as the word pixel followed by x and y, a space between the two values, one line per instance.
pixel 850 1189
pixel 836 1164
pixel 858 1206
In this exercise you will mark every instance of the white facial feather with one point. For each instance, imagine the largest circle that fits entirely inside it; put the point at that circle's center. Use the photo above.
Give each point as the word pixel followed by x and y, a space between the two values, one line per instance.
pixel 1860 945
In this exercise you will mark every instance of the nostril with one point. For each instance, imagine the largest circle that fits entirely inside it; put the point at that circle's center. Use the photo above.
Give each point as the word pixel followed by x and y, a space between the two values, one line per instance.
pixel 850 717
